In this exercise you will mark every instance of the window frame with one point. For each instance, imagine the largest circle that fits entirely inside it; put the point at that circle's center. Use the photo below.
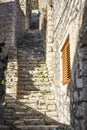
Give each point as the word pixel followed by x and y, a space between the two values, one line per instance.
pixel 66 71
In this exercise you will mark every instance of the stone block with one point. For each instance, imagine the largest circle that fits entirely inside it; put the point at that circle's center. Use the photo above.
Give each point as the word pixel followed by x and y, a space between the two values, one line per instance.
pixel 80 111
pixel 79 83
pixel 83 95
pixel 84 106
pixel 50 114
pixel 51 107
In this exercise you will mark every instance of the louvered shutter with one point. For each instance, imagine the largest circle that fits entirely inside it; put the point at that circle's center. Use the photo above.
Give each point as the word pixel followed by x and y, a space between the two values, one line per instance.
pixel 66 63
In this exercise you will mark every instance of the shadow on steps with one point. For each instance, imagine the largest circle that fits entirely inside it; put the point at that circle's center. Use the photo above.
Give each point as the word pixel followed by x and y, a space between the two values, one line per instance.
pixel 22 117
pixel 35 106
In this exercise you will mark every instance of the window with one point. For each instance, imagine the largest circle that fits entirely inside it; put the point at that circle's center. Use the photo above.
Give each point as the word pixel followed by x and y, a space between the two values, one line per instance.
pixel 66 73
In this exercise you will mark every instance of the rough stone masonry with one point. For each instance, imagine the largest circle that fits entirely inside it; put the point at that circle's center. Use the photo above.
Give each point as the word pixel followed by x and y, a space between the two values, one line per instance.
pixel 64 19
pixel 70 20
pixel 13 23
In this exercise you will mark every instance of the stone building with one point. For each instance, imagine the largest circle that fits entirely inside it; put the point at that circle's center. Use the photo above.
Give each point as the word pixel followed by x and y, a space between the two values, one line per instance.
pixel 66 28
pixel 66 42
pixel 14 21
pixel 61 98
pixel 42 5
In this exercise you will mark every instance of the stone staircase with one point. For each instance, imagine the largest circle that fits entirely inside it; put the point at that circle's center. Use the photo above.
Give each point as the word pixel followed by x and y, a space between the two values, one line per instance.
pixel 35 108
pixel 36 103
pixel 4 127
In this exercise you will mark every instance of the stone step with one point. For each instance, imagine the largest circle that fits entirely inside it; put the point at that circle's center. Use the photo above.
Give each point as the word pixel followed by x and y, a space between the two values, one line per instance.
pixel 31 46
pixel 29 122
pixel 31 50
pixel 32 34
pixel 47 96
pixel 36 105
pixel 35 121
pixel 24 61
pixel 33 79
pixel 33 54
pixel 36 46
pixel 25 92
pixel 28 77
pixel 49 100
pixel 28 114
pixel 33 69
pixel 29 89
pixel 27 81
pixel 37 94
pixel 35 118
pixel 33 74
pixel 30 84
pixel 9 120
pixel 27 64
pixel 30 80
pixel 3 127
pixel 30 56
pixel 34 49
pixel 30 41
pixel 36 66
pixel 43 127
pixel 26 67
pixel 32 38
pixel 40 112
pixel 35 88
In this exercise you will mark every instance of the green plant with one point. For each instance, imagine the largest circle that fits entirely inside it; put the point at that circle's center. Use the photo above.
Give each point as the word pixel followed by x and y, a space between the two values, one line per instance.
pixel 35 4
pixel 45 76
pixel 39 65
pixel 2 82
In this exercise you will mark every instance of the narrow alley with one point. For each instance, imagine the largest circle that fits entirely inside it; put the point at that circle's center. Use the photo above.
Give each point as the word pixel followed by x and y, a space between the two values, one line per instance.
pixel 43 65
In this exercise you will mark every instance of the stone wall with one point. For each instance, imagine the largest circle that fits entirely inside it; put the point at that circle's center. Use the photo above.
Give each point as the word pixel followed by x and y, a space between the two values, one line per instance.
pixel 78 93
pixel 25 7
pixel 28 13
pixel 62 24
pixel 13 23
pixel 7 31
pixel 7 9
pixel 49 42
pixel 42 10
pixel 7 42
pixel 15 33
pixel 64 18
pixel 20 22
pixel 71 98
pixel 46 26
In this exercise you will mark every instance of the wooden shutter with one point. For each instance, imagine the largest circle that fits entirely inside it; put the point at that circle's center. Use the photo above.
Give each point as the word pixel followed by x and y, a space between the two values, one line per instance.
pixel 66 63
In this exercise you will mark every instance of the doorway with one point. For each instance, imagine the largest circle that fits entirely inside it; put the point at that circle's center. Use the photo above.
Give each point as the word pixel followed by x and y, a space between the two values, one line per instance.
pixel 34 15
